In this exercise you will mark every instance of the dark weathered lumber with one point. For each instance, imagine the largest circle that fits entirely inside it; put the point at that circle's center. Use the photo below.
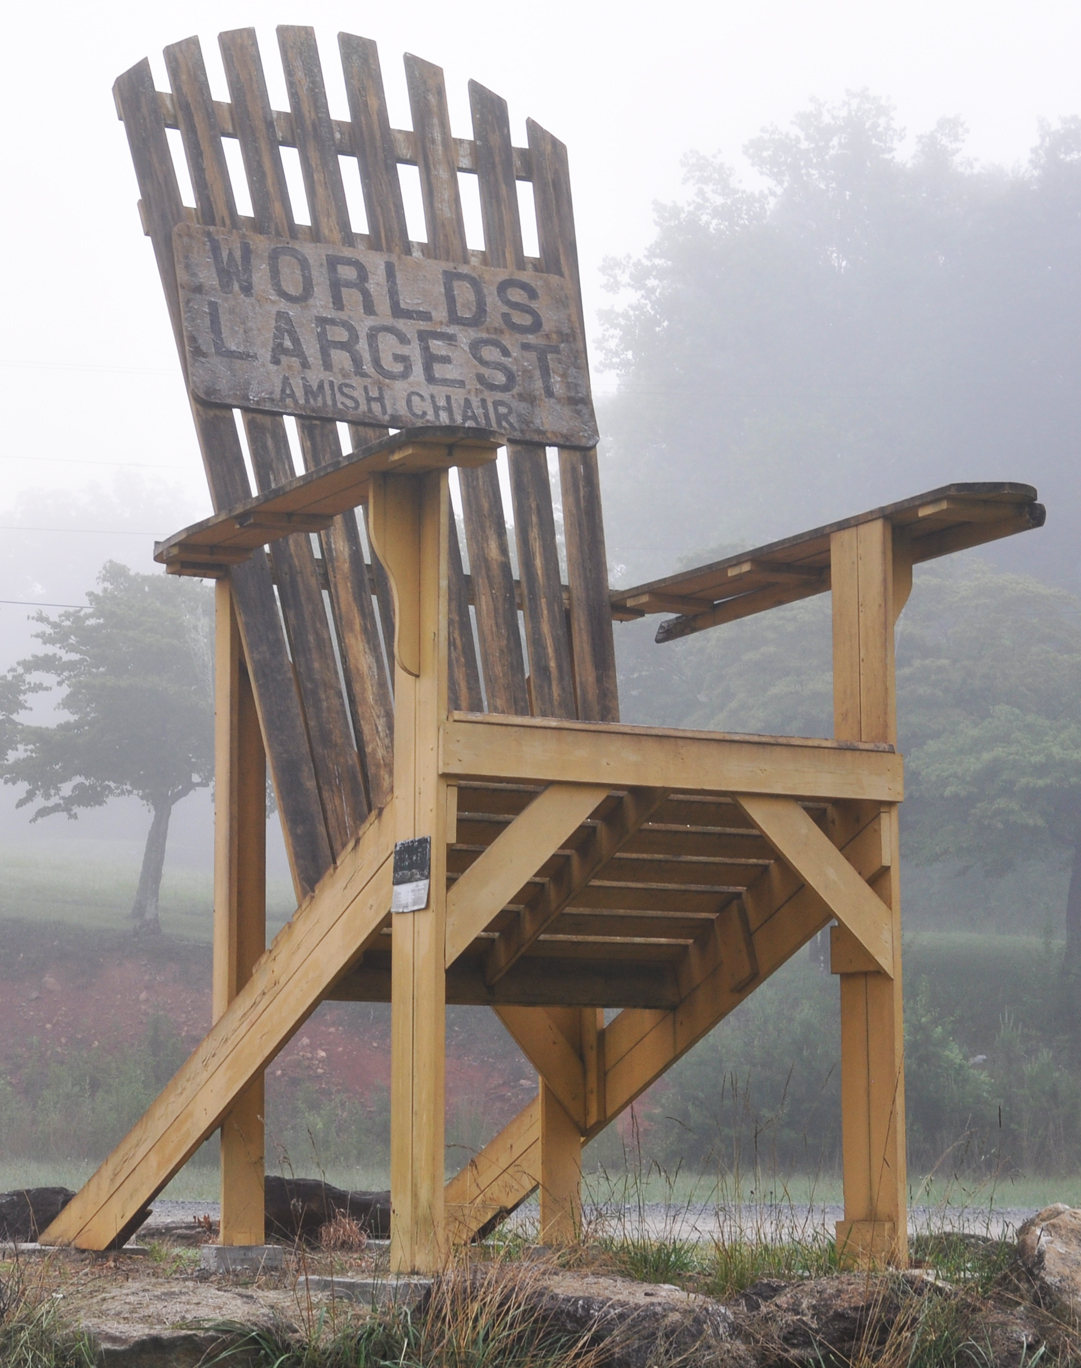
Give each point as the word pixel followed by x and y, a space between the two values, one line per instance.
pixel 299 1208
pixel 445 228
pixel 482 503
pixel 551 678
pixel 281 716
pixel 936 523
pixel 583 522
pixel 337 765
pixel 374 144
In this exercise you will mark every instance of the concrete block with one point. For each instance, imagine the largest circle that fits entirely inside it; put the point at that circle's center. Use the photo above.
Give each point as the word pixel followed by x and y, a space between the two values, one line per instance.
pixel 251 1260
pixel 404 1291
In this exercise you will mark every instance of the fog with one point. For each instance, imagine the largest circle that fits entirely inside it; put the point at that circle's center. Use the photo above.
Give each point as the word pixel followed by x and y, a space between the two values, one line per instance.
pixel 100 457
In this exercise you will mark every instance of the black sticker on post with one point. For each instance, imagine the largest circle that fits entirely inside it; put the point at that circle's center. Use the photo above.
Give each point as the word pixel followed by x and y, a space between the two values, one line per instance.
pixel 412 874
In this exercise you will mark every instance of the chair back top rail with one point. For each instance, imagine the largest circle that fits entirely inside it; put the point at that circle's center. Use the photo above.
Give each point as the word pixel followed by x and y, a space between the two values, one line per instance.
pixel 319 664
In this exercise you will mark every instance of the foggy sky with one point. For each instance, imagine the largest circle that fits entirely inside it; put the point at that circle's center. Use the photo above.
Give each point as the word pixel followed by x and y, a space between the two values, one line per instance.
pixel 88 361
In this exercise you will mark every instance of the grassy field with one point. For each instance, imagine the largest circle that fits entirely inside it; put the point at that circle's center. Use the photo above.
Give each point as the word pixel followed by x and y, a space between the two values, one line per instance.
pixel 90 884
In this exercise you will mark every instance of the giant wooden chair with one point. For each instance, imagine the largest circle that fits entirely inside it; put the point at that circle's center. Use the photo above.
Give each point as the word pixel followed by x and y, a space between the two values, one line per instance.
pixel 577 866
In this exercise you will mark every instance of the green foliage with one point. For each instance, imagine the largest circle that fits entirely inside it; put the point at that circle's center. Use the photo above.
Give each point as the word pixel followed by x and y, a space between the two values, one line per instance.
pixel 135 670
pixel 81 1106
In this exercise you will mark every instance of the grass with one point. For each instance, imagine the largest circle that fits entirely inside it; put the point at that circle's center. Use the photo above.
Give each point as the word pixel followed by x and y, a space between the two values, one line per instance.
pixel 91 884
pixel 33 1332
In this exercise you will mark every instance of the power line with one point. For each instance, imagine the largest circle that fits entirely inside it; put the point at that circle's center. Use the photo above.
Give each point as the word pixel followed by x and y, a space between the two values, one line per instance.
pixel 67 460
pixel 97 531
pixel 37 603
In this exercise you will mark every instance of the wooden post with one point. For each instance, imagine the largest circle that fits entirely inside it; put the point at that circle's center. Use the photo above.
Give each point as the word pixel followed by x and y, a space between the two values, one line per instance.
pixel 409 526
pixel 561 1134
pixel 239 908
pixel 870 581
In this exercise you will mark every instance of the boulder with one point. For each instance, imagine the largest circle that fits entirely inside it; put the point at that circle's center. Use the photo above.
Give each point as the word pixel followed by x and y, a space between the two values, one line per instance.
pixel 27 1212
pixel 24 1214
pixel 629 1324
pixel 298 1208
pixel 1049 1247
pixel 849 1315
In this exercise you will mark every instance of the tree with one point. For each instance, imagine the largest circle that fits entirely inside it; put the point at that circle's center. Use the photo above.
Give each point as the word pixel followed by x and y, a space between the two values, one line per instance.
pixel 136 669
pixel 865 325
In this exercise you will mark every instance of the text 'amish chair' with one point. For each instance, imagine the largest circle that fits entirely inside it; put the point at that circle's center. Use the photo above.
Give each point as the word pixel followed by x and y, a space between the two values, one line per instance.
pixel 401 692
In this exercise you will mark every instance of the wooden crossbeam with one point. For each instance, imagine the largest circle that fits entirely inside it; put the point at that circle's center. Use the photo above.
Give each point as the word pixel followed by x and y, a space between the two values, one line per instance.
pixel 325 937
pixel 582 866
pixel 813 856
pixel 537 750
pixel 513 857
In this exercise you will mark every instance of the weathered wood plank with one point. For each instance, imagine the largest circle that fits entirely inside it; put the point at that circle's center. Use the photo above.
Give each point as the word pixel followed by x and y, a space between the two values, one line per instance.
pixel 281 717
pixel 482 503
pixel 338 765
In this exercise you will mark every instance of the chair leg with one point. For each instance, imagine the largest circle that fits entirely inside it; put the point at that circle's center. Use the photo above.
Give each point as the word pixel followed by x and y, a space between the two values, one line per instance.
pixel 239 911
pixel 560 1172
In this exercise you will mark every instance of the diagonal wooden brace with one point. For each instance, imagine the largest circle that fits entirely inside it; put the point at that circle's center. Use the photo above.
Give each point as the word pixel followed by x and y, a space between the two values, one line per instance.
pixel 326 936
pixel 810 853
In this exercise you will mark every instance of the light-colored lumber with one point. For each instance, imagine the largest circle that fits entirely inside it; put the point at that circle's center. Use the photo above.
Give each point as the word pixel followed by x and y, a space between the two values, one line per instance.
pixel 822 867
pixel 239 909
pixel 514 857
pixel 410 530
pixel 498 1179
pixel 326 936
pixel 560 1171
pixel 871 575
pixel 538 1036
pixel 536 750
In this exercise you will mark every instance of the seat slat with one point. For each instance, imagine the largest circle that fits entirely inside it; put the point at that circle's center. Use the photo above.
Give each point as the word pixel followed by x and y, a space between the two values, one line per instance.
pixel 284 730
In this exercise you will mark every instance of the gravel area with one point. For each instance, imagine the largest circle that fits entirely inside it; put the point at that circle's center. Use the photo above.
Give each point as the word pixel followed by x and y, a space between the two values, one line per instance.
pixel 780 1221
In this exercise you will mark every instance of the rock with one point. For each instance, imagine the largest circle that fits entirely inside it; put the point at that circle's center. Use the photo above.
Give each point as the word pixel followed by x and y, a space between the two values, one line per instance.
pixel 850 1314
pixel 1049 1247
pixel 173 1349
pixel 298 1208
pixel 26 1213
pixel 639 1325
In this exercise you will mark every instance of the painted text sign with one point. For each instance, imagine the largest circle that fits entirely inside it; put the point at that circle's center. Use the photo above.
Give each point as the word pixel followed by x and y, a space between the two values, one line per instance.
pixel 371 337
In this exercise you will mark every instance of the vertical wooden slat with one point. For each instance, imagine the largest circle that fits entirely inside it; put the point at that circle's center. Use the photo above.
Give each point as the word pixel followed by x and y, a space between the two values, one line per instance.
pixel 385 211
pixel 347 574
pixel 482 503
pixel 533 519
pixel 337 762
pixel 382 189
pixel 583 523
pixel 551 680
pixel 437 162
pixel 281 717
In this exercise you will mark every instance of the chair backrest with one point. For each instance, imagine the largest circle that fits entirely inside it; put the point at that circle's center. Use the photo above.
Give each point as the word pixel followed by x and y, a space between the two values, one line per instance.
pixel 531 646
